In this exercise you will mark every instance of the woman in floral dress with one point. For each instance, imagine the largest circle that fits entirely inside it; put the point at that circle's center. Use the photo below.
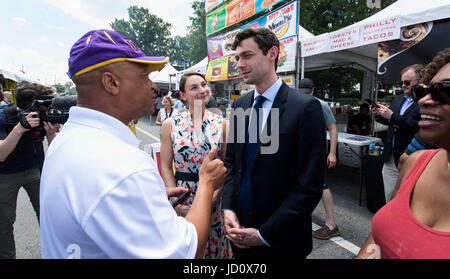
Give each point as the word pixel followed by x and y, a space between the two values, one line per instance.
pixel 186 140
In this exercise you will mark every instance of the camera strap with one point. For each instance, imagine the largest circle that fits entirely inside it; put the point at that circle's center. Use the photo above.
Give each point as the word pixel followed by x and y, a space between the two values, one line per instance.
pixel 23 121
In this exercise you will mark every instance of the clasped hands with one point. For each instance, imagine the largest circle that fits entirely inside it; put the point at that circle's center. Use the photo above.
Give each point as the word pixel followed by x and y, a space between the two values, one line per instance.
pixel 240 236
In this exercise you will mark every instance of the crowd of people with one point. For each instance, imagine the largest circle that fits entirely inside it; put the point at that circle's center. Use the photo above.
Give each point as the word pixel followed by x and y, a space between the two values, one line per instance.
pixel 250 184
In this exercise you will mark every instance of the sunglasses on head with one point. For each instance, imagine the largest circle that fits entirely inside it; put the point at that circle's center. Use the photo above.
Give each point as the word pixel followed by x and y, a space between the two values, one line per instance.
pixel 440 92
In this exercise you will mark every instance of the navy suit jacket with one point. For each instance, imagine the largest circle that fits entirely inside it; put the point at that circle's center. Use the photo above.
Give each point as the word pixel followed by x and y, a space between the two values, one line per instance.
pixel 403 127
pixel 286 185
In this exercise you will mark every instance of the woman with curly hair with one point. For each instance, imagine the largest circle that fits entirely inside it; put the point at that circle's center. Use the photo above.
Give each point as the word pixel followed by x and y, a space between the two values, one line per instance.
pixel 416 222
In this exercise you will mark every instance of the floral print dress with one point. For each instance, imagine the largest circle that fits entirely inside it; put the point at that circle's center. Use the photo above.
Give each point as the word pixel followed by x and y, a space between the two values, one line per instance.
pixel 189 150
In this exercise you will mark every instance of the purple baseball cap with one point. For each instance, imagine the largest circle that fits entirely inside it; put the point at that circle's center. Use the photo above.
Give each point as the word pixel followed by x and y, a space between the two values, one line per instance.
pixel 99 48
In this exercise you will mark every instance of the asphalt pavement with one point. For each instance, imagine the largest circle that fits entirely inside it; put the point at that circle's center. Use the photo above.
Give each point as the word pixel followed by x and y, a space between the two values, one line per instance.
pixel 352 219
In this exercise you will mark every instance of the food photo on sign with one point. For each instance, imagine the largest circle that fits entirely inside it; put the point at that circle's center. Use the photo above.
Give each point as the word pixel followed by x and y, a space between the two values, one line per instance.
pixel 220 46
pixel 232 69
pixel 215 21
pixel 418 44
pixel 286 58
pixel 215 48
pixel 267 3
pixel 239 10
pixel 282 21
pixel 233 12
pixel 217 69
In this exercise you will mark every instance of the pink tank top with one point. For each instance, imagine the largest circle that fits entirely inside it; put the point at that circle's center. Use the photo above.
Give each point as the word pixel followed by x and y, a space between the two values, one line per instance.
pixel 399 234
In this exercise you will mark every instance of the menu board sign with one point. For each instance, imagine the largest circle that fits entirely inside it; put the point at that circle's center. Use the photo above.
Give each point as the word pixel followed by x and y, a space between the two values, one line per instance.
pixel 283 22
pixel 235 11
pixel 211 4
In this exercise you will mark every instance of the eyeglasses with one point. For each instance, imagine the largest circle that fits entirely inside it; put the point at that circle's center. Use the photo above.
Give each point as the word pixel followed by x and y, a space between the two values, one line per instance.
pixel 440 92
pixel 406 82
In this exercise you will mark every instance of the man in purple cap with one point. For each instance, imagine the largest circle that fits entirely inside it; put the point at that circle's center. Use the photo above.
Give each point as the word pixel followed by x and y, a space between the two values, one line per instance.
pixel 101 196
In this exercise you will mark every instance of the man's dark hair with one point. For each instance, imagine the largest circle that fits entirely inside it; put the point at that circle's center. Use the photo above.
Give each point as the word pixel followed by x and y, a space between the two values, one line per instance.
pixel 364 106
pixel 263 37
pixel 417 68
pixel 440 60
pixel 176 94
pixel 26 93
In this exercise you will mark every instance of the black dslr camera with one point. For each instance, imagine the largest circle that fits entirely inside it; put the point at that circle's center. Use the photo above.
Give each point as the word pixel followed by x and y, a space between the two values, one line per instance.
pixel 50 109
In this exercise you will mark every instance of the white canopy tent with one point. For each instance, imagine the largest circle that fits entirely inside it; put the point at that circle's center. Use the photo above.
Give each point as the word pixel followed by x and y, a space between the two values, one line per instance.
pixel 17 77
pixel 163 76
pixel 303 33
pixel 365 56
pixel 200 67
pixel 410 12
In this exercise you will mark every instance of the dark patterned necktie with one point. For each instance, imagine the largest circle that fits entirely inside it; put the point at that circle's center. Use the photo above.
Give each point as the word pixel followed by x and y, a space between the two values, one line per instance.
pixel 251 150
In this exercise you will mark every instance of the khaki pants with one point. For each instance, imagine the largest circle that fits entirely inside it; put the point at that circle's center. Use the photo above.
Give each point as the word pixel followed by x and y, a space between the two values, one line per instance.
pixel 390 175
pixel 9 189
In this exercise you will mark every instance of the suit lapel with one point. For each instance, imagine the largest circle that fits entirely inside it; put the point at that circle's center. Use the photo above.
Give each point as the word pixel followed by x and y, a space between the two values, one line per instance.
pixel 398 105
pixel 278 103
pixel 247 103
pixel 410 108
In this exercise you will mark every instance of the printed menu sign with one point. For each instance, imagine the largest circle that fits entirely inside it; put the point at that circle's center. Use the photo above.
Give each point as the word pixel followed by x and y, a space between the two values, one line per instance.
pixel 233 12
pixel 314 45
pixel 283 22
pixel 382 30
pixel 211 4
pixel 344 39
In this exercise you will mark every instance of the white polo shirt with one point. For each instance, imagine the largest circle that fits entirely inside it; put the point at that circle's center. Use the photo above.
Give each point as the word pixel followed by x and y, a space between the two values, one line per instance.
pixel 102 197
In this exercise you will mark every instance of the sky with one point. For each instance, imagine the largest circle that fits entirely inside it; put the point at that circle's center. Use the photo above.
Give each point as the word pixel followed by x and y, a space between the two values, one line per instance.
pixel 36 35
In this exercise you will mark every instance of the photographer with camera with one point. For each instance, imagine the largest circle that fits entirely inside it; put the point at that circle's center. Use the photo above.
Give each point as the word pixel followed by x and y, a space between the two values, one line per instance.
pixel 21 154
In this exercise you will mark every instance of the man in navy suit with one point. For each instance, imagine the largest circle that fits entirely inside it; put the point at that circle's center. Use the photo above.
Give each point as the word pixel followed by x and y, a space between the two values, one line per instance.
pixel 274 178
pixel 402 117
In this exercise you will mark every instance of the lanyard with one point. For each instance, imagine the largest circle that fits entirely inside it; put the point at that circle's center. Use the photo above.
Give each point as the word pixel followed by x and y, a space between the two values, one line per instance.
pixel 167 116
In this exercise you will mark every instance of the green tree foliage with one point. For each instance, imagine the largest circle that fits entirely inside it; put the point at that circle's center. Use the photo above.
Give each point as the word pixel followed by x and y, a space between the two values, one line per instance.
pixel 196 37
pixel 321 16
pixel 178 47
pixel 150 32
pixel 69 88
pixel 59 88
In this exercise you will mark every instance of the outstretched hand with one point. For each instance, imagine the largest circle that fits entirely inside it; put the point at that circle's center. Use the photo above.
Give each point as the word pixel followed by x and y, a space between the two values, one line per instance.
pixel 213 170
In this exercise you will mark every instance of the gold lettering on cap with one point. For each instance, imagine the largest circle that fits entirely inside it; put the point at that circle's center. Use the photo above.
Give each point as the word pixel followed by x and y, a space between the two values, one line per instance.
pixel 133 46
pixel 109 37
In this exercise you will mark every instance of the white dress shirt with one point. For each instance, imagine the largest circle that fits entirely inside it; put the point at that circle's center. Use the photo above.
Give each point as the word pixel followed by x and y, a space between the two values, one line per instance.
pixel 270 95
pixel 102 197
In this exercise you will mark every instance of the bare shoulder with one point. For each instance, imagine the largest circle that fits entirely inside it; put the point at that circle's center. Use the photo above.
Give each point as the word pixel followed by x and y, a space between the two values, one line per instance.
pixel 411 160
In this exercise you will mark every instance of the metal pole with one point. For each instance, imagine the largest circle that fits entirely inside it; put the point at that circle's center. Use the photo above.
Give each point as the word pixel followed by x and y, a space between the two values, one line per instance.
pixel 297 68
pixel 375 98
pixel 170 82
pixel 298 46
pixel 303 67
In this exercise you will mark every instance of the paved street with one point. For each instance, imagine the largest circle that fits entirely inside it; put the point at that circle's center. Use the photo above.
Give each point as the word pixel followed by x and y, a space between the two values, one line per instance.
pixel 352 219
